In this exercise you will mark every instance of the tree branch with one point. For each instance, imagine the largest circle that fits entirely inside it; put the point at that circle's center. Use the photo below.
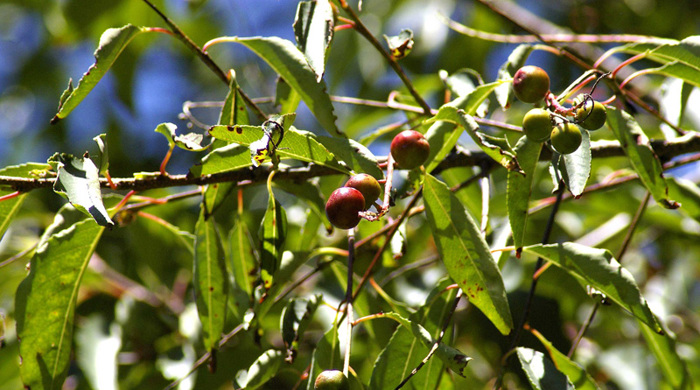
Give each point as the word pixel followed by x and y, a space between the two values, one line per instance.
pixel 666 150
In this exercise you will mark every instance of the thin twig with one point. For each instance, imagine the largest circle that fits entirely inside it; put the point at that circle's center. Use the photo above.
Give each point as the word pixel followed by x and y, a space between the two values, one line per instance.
pixel 203 359
pixel 437 342
pixel 362 29
pixel 204 56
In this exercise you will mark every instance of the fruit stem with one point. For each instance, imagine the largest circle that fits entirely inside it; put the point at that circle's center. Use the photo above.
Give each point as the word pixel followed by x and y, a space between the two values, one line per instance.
pixel 9 196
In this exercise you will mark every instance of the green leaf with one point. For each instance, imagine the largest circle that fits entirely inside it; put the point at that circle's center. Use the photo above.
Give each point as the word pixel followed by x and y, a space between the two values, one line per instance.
pixel 400 45
pixel 598 268
pixel 224 159
pixel 103 155
pixel 520 187
pixel 355 155
pixel 672 365
pixel 404 352
pixel 541 372
pixel 210 280
pixel 326 356
pixel 465 254
pixel 443 133
pixel 576 374
pixel 285 97
pixel 313 30
pixel 310 192
pixel 78 181
pixel 10 207
pixel 273 232
pixel 515 61
pixel 290 63
pixel 687 193
pixel 234 111
pixel 190 141
pixel 452 357
pixel 294 320
pixel 263 369
pixel 97 348
pixel 678 58
pixel 443 139
pixel 578 165
pixel 112 42
pixel 45 302
pixel 296 144
pixel 243 262
pixel 642 157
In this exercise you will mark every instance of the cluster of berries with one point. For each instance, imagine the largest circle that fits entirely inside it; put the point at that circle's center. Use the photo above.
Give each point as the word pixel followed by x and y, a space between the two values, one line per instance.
pixel 409 150
pixel 531 85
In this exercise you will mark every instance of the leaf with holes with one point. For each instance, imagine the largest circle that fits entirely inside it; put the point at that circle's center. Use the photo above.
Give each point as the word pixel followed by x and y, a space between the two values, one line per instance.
pixel 313 30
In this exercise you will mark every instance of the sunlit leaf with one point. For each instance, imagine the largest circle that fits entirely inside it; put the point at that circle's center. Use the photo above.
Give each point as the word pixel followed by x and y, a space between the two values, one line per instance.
pixel 400 45
pixel 442 138
pixel 224 159
pixel 404 352
pixel 313 30
pixel 78 181
pixel 45 302
pixel 520 187
pixel 578 165
pixel 290 63
pixel 189 141
pixel 210 280
pixel 97 348
pixel 598 268
pixel 112 42
pixel 642 157
pixel 541 372
pixel 263 369
pixel 10 207
pixel 465 254
pixel 355 155
pixel 103 155
pixel 576 374
pixel 296 144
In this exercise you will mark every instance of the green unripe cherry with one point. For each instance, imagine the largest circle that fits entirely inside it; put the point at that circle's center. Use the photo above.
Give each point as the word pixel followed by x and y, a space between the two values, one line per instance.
pixel 530 84
pixel 367 185
pixel 332 380
pixel 591 117
pixel 566 138
pixel 537 125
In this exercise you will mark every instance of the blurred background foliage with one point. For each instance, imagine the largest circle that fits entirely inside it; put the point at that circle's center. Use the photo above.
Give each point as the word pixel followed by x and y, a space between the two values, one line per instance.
pixel 45 43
